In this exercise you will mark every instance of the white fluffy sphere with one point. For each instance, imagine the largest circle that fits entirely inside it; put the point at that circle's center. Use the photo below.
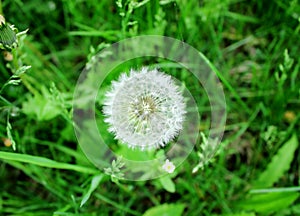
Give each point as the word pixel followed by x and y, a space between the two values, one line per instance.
pixel 144 109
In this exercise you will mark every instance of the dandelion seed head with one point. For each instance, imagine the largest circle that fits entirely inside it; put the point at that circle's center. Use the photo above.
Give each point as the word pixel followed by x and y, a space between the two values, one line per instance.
pixel 144 109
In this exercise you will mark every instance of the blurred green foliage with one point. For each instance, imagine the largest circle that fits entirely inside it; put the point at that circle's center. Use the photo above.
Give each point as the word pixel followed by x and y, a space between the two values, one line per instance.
pixel 254 44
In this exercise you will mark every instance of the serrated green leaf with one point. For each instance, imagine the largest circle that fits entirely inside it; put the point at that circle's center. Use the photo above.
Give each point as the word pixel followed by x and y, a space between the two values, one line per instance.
pixel 41 106
pixel 278 165
pixel 94 184
pixel 167 183
pixel 270 202
pixel 165 210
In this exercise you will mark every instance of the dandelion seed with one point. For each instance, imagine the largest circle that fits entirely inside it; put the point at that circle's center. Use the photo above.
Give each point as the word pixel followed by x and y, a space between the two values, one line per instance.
pixel 168 166
pixel 144 109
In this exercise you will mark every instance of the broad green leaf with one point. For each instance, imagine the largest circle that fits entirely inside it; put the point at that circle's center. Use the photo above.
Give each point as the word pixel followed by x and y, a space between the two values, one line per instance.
pixel 165 210
pixel 44 162
pixel 270 202
pixel 279 164
pixel 94 184
pixel 167 183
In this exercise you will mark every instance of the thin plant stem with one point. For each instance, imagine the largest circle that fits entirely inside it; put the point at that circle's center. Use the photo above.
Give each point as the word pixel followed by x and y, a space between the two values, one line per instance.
pixel 6 101
pixel 1 11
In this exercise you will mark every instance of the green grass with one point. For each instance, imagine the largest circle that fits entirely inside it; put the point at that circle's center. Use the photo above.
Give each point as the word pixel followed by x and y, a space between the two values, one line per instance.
pixel 253 46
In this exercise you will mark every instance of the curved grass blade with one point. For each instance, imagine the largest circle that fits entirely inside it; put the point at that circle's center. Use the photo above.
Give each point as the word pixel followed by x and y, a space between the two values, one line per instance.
pixel 44 162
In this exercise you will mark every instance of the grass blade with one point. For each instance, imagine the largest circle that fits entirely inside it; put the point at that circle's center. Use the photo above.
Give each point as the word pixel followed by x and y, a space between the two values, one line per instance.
pixel 44 162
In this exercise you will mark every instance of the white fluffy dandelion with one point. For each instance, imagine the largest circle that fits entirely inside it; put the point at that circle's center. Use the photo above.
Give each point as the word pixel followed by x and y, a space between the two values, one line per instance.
pixel 144 109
